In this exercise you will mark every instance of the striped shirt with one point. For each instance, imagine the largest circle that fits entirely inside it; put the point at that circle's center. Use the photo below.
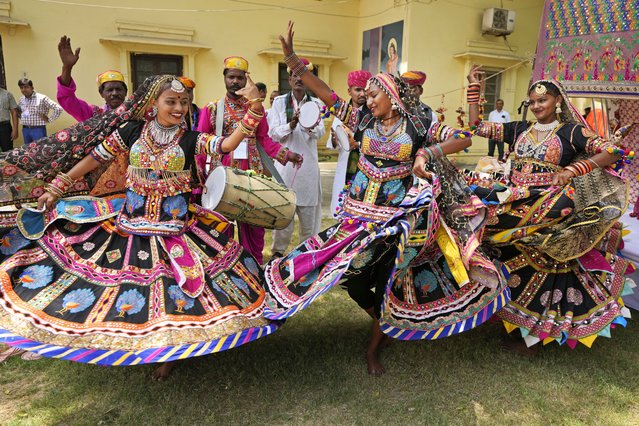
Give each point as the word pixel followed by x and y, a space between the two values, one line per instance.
pixel 7 103
pixel 35 110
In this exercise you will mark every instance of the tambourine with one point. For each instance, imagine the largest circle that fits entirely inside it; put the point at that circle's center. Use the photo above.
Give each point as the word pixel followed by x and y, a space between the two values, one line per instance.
pixel 310 115
pixel 342 138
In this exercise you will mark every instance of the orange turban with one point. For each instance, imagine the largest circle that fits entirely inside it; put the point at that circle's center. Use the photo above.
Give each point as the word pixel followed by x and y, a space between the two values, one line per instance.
pixel 110 75
pixel 236 62
pixel 187 82
pixel 414 78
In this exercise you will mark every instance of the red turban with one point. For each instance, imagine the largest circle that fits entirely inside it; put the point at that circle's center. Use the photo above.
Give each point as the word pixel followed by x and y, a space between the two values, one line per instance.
pixel 358 78
pixel 414 78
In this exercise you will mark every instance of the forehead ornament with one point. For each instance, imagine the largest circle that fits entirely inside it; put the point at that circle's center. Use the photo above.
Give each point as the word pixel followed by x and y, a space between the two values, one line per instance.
pixel 540 89
pixel 177 86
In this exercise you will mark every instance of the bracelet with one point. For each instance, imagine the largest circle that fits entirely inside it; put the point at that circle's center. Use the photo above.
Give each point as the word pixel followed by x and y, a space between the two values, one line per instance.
pixel 60 184
pixel 295 64
pixel 439 148
pixel 593 162
pixel 251 101
pixel 424 153
pixel 473 96
pixel 579 168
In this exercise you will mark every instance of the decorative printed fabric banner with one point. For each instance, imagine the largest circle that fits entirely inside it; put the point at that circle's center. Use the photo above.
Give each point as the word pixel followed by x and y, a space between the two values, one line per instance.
pixel 591 46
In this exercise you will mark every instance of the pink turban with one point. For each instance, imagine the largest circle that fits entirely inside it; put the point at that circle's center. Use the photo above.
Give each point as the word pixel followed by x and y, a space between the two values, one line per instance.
pixel 358 78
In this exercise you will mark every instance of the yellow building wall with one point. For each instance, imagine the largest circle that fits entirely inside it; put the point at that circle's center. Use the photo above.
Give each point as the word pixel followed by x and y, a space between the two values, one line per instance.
pixel 32 51
pixel 435 32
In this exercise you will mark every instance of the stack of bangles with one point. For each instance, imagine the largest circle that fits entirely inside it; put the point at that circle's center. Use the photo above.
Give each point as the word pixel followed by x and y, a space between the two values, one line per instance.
pixel 295 64
pixel 430 153
pixel 59 185
pixel 582 167
pixel 472 93
pixel 251 120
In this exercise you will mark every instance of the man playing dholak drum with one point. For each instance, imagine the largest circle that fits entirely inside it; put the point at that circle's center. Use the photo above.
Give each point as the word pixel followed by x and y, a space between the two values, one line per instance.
pixel 288 128
pixel 221 117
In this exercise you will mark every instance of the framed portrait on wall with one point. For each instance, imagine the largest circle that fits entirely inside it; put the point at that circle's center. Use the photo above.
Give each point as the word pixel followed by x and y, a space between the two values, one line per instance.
pixel 382 48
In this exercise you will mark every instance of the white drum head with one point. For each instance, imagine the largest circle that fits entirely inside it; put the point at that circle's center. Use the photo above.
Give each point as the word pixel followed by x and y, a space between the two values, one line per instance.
pixel 309 115
pixel 342 138
pixel 214 188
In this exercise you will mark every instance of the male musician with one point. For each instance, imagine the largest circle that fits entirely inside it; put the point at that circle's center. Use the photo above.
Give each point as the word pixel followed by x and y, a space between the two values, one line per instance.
pixel 347 160
pixel 284 122
pixel 111 86
pixel 221 117
pixel 415 81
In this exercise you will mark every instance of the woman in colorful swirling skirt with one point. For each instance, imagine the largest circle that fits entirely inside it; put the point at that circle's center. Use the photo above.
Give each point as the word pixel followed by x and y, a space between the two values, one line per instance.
pixel 407 251
pixel 134 279
pixel 553 221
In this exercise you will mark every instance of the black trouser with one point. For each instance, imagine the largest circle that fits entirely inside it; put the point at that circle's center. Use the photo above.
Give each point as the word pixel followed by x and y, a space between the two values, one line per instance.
pixel 491 148
pixel 360 287
pixel 6 144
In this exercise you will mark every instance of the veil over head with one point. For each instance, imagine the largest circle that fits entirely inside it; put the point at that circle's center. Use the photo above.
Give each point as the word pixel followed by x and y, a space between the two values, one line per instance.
pixel 26 170
pixel 397 90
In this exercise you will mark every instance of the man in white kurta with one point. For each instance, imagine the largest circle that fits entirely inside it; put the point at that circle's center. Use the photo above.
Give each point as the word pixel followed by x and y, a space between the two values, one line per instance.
pixel 284 127
pixel 357 90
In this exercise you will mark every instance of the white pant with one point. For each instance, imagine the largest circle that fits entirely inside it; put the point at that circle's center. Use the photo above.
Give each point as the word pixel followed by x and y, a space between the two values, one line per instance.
pixel 310 218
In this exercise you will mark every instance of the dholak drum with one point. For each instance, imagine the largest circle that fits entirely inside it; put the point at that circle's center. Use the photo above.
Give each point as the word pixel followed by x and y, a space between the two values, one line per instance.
pixel 342 138
pixel 250 198
pixel 310 115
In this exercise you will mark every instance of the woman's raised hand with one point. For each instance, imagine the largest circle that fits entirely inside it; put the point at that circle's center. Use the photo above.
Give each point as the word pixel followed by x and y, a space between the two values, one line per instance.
pixel 475 75
pixel 287 42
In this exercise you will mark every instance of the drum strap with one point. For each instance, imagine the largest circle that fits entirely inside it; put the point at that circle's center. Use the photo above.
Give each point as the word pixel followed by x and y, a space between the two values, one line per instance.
pixel 267 162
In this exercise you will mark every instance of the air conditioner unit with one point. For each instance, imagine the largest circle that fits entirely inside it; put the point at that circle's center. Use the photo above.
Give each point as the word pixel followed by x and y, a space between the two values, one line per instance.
pixel 498 21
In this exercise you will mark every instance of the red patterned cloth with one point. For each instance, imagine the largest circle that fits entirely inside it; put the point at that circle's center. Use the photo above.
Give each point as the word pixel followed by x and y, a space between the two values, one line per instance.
pixel 358 78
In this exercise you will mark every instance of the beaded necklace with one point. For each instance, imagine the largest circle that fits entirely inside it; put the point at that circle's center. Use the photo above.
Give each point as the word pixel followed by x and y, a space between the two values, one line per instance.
pixel 162 136
pixel 157 139
pixel 384 136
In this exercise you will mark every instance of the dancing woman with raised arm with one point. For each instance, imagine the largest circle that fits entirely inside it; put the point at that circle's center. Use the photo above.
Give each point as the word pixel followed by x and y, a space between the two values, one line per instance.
pixel 140 278
pixel 407 252
pixel 553 221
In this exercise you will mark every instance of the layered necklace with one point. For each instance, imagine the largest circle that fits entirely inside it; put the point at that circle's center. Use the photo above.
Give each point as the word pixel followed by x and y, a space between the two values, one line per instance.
pixel 384 135
pixel 546 127
pixel 163 136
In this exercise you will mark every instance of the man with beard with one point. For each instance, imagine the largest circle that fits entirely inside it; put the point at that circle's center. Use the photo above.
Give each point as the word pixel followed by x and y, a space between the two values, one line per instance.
pixel 415 81
pixel 111 86
pixel 221 117
pixel 283 119
pixel 347 160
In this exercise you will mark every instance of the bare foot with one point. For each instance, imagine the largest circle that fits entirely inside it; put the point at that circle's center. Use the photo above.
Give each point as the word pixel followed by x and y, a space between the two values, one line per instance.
pixel 375 368
pixel 162 372
pixel 378 341
pixel 9 352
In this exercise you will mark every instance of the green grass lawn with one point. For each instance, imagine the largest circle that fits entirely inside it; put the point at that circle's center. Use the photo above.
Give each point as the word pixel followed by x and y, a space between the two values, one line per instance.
pixel 312 371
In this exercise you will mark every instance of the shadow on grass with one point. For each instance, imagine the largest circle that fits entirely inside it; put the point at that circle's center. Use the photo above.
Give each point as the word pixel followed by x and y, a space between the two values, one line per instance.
pixel 312 371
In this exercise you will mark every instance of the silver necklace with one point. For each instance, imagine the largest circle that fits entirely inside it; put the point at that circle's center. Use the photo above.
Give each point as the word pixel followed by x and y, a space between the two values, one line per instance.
pixel 546 127
pixel 162 136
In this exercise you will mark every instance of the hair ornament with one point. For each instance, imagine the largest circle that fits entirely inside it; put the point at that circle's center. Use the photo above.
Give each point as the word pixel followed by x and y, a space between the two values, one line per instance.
pixel 540 89
pixel 177 86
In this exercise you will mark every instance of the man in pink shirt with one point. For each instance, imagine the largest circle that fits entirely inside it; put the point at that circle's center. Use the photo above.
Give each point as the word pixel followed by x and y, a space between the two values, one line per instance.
pixel 229 112
pixel 111 86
